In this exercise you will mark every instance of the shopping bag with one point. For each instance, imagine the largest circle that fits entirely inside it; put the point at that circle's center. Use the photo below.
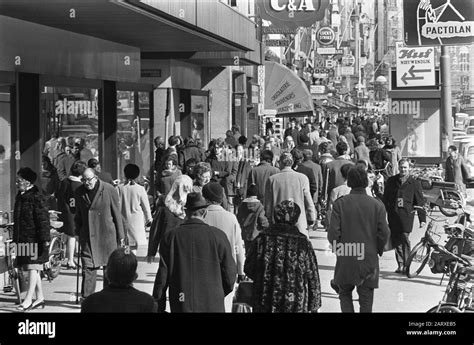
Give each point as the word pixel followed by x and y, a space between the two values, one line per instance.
pixel 242 302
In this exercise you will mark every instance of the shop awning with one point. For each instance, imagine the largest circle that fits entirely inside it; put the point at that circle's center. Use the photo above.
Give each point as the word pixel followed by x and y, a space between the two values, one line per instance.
pixel 285 92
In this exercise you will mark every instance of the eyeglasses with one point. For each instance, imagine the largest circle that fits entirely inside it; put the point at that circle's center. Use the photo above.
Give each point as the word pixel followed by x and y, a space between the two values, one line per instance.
pixel 90 179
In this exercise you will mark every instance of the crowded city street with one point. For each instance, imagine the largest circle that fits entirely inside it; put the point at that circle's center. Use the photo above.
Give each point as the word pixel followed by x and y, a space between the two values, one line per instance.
pixel 237 156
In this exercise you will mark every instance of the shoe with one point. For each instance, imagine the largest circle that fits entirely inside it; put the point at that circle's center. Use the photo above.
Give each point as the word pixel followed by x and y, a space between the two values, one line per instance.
pixel 24 309
pixel 71 267
pixel 400 270
pixel 41 305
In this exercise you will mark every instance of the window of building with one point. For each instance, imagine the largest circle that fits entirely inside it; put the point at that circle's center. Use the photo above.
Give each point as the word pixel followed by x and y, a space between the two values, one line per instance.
pixel 72 115
pixel 5 155
pixel 464 61
pixel 133 131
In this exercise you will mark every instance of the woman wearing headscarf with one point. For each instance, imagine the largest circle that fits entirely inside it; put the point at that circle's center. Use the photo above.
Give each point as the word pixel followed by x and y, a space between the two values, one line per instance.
pixel 283 266
pixel 135 207
pixel 170 215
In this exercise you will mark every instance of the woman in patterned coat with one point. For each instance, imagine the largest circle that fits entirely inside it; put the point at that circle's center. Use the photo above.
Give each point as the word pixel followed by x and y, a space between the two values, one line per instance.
pixel 283 266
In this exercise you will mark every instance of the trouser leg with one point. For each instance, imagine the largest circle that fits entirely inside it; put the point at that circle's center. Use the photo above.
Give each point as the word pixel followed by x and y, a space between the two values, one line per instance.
pixel 106 280
pixel 345 298
pixel 366 298
pixel 89 279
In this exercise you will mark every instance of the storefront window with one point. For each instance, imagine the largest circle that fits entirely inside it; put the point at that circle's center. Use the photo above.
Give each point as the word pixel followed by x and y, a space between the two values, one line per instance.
pixel 72 114
pixel 5 153
pixel 133 131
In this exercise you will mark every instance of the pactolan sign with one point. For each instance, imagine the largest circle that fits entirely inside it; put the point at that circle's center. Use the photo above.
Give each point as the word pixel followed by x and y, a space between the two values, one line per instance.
pixel 76 108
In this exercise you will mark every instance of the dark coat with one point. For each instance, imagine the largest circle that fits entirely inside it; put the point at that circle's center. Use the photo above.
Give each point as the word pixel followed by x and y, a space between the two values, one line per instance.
pixel 251 217
pixel 49 184
pixel 456 170
pixel 335 178
pixel 191 151
pixel 31 224
pixel 360 220
pixel 64 165
pixel 67 205
pixel 241 185
pixel 197 265
pixel 227 173
pixel 292 133
pixel 119 300
pixel 159 156
pixel 284 269
pixel 317 171
pixel 400 214
pixel 99 224
pixel 163 221
pixel 259 175
pixel 313 185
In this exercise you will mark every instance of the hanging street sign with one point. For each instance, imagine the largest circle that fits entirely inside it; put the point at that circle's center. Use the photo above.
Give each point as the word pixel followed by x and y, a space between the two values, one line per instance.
pixel 318 89
pixel 329 51
pixel 347 70
pixel 438 22
pixel 325 36
pixel 277 43
pixel 292 13
pixel 415 66
pixel 348 60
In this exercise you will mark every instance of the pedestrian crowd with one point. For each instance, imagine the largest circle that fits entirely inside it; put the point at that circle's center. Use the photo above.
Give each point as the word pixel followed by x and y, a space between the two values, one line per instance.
pixel 235 212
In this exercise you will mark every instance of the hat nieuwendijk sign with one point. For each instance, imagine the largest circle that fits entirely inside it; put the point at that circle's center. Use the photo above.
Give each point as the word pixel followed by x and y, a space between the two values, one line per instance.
pixel 438 22
pixel 292 13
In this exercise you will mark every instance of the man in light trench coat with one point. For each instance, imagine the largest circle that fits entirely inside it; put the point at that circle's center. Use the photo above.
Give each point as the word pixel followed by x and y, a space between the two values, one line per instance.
pixel 99 224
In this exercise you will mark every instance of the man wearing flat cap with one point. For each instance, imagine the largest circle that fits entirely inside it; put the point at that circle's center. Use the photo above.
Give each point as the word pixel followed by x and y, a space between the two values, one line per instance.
pixel 196 264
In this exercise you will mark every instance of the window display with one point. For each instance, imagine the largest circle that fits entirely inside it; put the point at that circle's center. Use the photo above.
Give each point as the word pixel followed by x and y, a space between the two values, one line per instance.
pixel 133 135
pixel 71 114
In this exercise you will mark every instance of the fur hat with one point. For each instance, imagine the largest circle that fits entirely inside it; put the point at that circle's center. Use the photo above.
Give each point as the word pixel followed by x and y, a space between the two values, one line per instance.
pixel 27 174
pixel 131 171
pixel 213 191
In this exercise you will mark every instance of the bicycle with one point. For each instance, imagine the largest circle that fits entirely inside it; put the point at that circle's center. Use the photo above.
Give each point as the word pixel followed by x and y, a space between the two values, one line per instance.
pixel 12 278
pixel 421 251
pixel 458 296
pixel 57 247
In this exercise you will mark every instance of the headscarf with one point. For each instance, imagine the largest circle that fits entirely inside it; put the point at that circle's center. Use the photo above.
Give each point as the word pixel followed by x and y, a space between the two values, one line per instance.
pixel 287 212
pixel 177 196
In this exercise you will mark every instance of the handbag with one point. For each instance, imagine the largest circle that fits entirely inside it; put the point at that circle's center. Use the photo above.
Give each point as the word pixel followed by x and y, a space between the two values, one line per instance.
pixel 243 299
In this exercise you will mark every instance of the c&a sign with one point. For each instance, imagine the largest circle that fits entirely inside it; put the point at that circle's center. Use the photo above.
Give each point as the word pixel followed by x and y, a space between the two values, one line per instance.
pixel 292 13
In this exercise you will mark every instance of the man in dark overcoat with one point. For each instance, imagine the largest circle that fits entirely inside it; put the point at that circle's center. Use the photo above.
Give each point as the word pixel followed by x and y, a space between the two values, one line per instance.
pixel 357 232
pixel 196 264
pixel 402 193
pixel 99 224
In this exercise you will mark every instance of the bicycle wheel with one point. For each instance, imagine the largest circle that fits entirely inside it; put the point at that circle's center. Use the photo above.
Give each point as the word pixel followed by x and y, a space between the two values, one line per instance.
pixel 449 212
pixel 55 259
pixel 417 259
pixel 446 308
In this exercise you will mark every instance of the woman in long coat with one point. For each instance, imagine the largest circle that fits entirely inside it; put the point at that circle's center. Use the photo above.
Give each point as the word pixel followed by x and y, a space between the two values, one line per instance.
pixel 31 231
pixel 135 208
pixel 283 266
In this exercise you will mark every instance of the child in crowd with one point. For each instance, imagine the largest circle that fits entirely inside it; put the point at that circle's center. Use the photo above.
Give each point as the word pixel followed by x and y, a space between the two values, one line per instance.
pixel 251 216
